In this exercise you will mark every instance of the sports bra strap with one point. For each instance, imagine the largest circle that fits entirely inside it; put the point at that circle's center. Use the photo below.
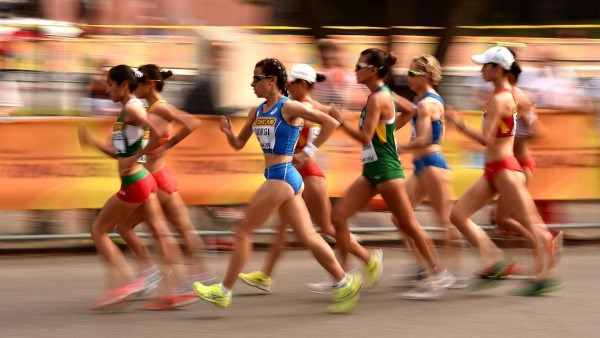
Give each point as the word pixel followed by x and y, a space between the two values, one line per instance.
pixel 153 106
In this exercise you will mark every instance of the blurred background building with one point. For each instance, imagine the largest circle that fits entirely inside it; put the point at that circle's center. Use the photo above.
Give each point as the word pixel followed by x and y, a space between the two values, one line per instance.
pixel 54 55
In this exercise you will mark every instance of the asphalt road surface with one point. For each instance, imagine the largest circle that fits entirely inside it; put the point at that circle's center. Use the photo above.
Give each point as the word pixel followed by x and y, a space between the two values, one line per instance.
pixel 45 296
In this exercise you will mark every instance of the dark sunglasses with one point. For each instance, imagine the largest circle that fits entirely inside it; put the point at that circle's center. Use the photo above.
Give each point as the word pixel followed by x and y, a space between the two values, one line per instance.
pixel 413 73
pixel 360 65
pixel 257 78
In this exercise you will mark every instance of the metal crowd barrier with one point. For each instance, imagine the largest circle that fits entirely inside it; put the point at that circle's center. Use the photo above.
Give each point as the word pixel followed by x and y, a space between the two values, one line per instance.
pixel 361 230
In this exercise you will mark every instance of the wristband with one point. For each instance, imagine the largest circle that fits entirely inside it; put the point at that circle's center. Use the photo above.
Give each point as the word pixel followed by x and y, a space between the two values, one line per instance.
pixel 310 149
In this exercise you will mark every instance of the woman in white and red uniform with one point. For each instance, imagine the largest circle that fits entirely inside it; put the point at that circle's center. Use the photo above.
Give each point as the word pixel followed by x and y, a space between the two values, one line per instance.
pixel 138 189
pixel 503 174
pixel 300 81
pixel 162 115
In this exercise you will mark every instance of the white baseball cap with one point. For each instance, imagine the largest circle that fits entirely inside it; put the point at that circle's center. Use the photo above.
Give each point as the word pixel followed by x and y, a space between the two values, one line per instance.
pixel 498 55
pixel 304 72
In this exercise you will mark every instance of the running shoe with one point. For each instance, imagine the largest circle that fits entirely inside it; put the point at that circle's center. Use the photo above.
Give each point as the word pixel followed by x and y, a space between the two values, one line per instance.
pixel 373 270
pixel 345 297
pixel 443 279
pixel 516 272
pixel 151 279
pixel 116 296
pixel 426 290
pixel 325 287
pixel 489 277
pixel 462 281
pixel 213 294
pixel 535 288
pixel 257 279
pixel 171 301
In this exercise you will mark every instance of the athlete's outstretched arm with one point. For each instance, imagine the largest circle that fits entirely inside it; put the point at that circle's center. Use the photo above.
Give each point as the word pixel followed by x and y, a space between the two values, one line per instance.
pixel 238 141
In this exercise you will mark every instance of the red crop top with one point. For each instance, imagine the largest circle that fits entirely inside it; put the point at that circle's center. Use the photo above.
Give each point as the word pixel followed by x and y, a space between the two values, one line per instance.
pixel 508 124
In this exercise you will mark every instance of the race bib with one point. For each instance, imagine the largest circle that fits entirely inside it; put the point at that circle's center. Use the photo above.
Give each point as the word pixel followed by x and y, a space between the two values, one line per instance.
pixel 368 154
pixel 264 129
pixel 119 138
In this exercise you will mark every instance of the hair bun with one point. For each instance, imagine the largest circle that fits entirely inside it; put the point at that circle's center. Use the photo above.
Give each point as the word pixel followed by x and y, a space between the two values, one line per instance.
pixel 166 74
pixel 390 59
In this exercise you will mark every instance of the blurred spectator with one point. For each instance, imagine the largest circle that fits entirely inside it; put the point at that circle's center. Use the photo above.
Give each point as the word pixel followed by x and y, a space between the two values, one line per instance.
pixel 340 87
pixel 10 94
pixel 98 103
pixel 204 96
pixel 553 86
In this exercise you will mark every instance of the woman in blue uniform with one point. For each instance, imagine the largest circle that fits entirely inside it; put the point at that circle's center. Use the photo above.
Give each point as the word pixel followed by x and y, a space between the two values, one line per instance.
pixel 277 123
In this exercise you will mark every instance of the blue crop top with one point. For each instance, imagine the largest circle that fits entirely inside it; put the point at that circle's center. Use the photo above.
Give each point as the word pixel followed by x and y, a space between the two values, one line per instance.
pixel 437 126
pixel 274 134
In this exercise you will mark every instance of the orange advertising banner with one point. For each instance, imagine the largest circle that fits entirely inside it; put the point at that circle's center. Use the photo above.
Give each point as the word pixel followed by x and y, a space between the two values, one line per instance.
pixel 43 167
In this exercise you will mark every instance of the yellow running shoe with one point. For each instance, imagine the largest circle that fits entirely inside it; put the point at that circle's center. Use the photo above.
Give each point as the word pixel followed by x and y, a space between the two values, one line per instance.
pixel 213 294
pixel 257 279
pixel 346 296
pixel 373 270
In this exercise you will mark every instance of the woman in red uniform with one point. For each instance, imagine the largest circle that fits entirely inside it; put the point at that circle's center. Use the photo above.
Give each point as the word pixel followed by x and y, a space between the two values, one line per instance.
pixel 138 188
pixel 503 173
pixel 528 126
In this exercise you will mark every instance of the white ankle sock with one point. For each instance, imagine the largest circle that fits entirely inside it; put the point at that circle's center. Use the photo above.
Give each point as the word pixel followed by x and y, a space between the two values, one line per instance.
pixel 341 283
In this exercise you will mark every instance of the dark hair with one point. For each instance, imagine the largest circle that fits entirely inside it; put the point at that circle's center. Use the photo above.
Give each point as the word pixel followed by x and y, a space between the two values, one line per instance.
pixel 153 72
pixel 273 67
pixel 320 78
pixel 122 73
pixel 515 68
pixel 380 59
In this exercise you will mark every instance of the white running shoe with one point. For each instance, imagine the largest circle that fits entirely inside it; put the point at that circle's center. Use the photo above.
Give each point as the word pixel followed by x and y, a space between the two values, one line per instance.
pixel 426 290
pixel 462 281
pixel 444 279
pixel 325 287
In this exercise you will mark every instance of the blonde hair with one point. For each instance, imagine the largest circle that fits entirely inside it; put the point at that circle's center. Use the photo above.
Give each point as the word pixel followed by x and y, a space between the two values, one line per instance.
pixel 431 66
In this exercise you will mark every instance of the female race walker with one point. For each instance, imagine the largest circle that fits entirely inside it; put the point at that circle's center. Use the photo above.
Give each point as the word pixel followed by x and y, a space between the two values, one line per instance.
pixel 502 175
pixel 162 115
pixel 138 188
pixel 301 79
pixel 382 172
pixel 277 123
pixel 528 127
pixel 431 175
